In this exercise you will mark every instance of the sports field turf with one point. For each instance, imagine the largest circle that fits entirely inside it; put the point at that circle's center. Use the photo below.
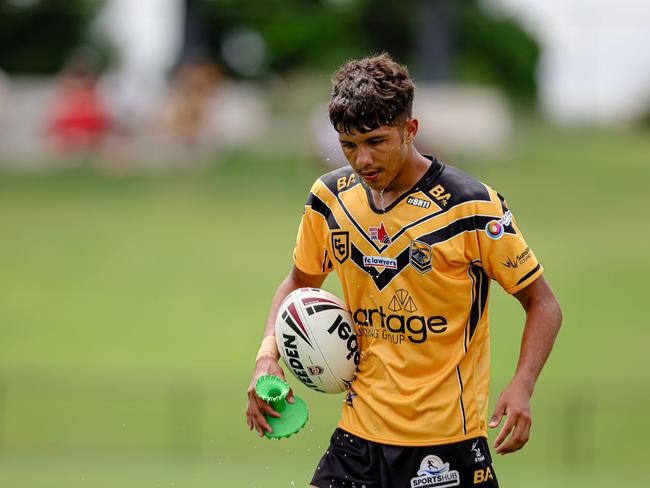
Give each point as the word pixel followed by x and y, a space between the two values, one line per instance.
pixel 131 310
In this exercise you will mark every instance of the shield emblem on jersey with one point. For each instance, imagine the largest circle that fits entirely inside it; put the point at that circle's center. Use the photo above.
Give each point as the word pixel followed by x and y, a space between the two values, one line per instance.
pixel 341 245
pixel 420 256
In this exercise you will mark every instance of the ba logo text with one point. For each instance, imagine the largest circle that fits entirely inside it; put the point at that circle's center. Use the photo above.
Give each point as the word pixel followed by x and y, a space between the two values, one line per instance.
pixel 483 475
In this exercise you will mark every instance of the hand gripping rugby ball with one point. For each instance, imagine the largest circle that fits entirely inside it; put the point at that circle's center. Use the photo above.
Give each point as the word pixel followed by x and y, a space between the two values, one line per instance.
pixel 316 339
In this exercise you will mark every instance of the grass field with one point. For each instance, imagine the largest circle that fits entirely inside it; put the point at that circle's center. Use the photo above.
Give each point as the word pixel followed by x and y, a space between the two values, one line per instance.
pixel 131 310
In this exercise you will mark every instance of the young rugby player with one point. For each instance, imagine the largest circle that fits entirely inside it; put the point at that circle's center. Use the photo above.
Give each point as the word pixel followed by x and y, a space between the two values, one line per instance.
pixel 416 414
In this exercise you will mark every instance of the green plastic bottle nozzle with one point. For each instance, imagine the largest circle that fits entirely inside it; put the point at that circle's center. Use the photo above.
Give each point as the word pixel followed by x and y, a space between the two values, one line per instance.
pixel 274 391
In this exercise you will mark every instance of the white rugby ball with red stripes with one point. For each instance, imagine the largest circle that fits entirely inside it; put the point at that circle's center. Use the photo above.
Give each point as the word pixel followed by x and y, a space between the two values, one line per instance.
pixel 316 339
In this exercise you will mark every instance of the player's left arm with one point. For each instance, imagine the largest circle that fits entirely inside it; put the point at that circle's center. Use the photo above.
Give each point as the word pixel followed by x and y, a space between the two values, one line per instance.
pixel 543 319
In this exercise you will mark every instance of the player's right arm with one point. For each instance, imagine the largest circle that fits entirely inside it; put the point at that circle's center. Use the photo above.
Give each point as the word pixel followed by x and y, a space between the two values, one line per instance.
pixel 267 358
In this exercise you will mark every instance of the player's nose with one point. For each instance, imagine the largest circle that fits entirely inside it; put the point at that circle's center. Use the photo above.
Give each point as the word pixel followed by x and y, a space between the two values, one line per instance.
pixel 364 158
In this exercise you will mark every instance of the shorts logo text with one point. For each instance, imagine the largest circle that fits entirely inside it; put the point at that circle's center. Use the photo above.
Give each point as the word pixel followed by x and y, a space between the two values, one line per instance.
pixel 478 455
pixel 483 475
pixel 434 473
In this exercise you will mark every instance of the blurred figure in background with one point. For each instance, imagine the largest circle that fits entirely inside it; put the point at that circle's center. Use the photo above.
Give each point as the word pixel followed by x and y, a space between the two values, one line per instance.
pixel 78 120
pixel 189 105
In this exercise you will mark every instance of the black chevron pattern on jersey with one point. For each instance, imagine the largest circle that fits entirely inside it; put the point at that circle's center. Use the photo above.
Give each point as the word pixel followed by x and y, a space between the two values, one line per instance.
pixel 383 278
pixel 319 206
pixel 471 223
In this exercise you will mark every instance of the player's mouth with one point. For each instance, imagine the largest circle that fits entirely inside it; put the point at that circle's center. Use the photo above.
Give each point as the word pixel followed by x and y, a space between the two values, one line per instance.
pixel 370 175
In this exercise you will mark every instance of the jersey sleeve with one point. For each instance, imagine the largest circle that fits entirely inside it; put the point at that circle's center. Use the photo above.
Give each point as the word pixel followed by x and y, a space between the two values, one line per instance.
pixel 310 253
pixel 504 254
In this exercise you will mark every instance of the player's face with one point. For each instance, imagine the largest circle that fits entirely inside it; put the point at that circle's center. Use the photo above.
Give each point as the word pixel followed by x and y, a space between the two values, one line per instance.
pixel 377 156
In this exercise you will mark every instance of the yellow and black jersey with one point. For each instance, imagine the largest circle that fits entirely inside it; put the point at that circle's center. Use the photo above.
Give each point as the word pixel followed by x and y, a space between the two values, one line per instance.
pixel 416 277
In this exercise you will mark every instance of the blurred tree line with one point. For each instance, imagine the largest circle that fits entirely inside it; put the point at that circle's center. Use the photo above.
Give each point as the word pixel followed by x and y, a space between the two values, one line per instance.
pixel 439 39
pixel 37 36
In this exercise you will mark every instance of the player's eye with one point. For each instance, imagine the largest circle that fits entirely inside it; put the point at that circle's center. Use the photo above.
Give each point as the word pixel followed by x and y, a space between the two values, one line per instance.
pixel 347 145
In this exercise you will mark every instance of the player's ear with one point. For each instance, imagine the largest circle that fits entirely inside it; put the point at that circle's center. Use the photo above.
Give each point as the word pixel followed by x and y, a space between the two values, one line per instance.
pixel 410 130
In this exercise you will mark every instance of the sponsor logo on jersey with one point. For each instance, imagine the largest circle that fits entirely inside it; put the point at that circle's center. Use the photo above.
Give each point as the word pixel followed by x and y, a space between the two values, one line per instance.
pixel 495 228
pixel 379 234
pixel 380 262
pixel 402 301
pixel 519 259
pixel 420 256
pixel 478 454
pixel 401 325
pixel 418 202
pixel 434 472
pixel 341 245
pixel 441 195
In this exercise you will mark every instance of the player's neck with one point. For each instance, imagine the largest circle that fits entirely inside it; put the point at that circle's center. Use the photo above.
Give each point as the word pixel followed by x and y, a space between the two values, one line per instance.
pixel 413 170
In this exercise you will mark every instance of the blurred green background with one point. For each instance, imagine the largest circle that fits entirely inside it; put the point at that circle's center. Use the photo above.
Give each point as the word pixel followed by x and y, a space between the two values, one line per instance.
pixel 136 269
pixel 131 311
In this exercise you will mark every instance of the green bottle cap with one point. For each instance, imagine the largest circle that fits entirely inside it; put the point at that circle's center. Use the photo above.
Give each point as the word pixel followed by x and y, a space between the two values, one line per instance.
pixel 274 391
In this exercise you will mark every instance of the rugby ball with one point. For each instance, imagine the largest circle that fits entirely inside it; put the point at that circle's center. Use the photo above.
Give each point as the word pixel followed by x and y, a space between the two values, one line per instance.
pixel 316 339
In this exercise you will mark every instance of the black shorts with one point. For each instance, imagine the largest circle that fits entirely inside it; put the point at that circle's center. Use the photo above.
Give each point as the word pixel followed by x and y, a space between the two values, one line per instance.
pixel 354 462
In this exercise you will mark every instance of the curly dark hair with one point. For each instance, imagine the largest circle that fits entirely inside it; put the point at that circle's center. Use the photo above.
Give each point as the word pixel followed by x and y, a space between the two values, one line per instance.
pixel 370 92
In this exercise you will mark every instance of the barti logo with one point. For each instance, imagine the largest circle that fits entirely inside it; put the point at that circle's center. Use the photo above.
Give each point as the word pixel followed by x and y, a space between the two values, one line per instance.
pixel 434 473
pixel 418 202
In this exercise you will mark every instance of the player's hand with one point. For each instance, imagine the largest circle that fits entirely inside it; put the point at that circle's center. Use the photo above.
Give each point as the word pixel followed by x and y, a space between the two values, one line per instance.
pixel 257 408
pixel 514 403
